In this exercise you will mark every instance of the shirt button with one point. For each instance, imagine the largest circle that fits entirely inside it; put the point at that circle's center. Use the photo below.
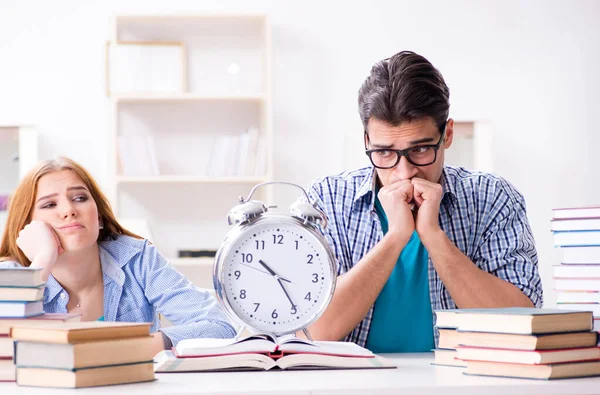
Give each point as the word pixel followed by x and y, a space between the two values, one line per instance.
pixel 63 295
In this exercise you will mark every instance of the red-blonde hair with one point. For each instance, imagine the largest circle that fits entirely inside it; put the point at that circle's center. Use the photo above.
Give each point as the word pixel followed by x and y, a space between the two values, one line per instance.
pixel 23 199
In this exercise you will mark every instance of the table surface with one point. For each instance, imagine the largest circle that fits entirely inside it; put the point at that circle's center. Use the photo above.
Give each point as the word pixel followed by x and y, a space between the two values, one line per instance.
pixel 414 375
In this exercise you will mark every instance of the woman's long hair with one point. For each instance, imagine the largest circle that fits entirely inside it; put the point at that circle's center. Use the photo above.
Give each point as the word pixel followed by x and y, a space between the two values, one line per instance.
pixel 22 201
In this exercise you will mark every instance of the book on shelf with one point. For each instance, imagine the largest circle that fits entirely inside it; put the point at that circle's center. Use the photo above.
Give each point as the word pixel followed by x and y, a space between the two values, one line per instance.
pixel 447 357
pixel 576 212
pixel 79 332
pixel 574 224
pixel 83 355
pixel 23 294
pixel 137 156
pixel 517 320
pixel 544 372
pixel 46 320
pixel 577 238
pixel 18 309
pixel 20 277
pixel 85 377
pixel 267 344
pixel 167 362
pixel 581 255
pixel 531 357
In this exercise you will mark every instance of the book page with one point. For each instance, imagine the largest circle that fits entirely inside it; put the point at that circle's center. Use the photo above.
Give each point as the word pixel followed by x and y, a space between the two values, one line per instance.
pixel 208 347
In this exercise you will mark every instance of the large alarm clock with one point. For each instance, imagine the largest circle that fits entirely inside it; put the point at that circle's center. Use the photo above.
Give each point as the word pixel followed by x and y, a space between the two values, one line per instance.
pixel 274 272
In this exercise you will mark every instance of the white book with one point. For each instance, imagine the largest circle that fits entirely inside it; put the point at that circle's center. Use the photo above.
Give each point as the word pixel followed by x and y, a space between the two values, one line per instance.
pixel 568 284
pixel 593 307
pixel 21 309
pixel 565 297
pixel 253 141
pixel 576 271
pixel 260 169
pixel 154 167
pixel 243 153
pixel 581 255
pixel 596 324
pixel 577 238
pixel 576 212
pixel 575 224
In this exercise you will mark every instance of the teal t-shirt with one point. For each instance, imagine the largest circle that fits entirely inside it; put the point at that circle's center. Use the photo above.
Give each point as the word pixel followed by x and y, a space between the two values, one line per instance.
pixel 402 318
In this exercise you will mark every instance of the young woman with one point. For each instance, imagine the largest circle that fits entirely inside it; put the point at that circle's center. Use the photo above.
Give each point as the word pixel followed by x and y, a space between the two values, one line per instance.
pixel 61 222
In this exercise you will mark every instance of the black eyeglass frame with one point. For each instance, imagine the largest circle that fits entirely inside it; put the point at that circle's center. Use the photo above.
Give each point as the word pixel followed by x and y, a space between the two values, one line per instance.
pixel 404 152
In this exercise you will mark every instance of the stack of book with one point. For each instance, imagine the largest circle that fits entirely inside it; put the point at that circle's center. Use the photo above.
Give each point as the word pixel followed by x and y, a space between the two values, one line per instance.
pixel 576 231
pixel 21 294
pixel 265 352
pixel 524 342
pixel 82 354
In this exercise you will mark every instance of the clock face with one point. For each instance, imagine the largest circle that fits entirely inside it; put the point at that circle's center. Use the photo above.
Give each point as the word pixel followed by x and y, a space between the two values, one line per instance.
pixel 277 276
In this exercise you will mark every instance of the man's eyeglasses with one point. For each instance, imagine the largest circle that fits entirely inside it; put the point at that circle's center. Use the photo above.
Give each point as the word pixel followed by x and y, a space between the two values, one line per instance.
pixel 422 155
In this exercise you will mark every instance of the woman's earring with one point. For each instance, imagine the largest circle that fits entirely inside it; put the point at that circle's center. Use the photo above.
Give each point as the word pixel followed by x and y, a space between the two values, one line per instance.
pixel 101 225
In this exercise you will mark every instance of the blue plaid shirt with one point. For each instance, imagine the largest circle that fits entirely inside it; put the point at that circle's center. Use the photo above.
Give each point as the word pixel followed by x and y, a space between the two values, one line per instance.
pixel 139 283
pixel 482 214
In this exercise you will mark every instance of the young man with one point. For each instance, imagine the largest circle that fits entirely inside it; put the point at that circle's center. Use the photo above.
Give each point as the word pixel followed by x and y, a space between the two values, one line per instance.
pixel 411 235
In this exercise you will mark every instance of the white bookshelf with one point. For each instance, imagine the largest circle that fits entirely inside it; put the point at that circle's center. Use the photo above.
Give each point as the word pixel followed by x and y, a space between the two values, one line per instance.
pixel 18 154
pixel 226 89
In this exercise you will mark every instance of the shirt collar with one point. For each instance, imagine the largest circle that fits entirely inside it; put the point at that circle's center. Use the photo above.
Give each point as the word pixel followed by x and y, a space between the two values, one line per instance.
pixel 111 266
pixel 367 187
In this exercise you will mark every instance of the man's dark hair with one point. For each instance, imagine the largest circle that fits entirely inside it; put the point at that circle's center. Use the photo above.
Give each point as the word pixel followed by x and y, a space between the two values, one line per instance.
pixel 404 88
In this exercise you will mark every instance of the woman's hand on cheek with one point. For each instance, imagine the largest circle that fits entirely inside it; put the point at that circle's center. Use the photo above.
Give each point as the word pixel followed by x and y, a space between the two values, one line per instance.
pixel 40 244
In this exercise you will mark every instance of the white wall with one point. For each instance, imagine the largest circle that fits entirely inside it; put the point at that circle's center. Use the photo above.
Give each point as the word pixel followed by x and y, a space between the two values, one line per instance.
pixel 529 67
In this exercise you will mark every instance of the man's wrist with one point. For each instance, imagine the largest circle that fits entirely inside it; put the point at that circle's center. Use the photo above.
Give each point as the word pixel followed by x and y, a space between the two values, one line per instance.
pixel 433 238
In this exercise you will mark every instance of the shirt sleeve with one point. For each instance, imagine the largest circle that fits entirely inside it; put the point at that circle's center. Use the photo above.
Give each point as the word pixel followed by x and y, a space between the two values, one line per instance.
pixel 194 312
pixel 508 249
pixel 331 233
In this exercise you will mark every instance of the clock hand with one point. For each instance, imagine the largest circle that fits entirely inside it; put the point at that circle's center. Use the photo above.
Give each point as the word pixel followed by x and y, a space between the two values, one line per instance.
pixel 277 276
pixel 262 271
pixel 286 293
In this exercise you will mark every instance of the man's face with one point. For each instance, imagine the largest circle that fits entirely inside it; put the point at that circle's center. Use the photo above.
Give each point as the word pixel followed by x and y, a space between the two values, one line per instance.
pixel 418 133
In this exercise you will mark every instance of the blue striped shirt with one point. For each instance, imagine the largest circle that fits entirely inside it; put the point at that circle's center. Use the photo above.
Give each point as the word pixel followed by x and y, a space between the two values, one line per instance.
pixel 482 214
pixel 139 283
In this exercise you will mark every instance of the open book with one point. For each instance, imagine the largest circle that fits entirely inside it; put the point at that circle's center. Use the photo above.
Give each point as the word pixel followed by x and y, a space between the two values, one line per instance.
pixel 269 345
pixel 166 362
pixel 264 352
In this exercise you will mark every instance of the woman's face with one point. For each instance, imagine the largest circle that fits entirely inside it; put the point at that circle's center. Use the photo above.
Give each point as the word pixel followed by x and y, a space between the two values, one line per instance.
pixel 65 203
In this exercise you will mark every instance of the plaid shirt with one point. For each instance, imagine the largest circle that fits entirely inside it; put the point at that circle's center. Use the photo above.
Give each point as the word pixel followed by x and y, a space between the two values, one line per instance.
pixel 482 214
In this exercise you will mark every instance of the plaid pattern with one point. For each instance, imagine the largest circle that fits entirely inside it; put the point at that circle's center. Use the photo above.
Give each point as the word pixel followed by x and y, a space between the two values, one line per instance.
pixel 139 283
pixel 482 214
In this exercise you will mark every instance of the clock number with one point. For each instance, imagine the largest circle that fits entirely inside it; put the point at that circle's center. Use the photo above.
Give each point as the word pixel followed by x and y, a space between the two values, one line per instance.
pixel 307 297
pixel 294 310
pixel 274 314
pixel 243 294
pixel 315 278
pixel 256 308
pixel 296 244
pixel 246 258
pixel 260 244
pixel 237 274
pixel 310 258
pixel 277 239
